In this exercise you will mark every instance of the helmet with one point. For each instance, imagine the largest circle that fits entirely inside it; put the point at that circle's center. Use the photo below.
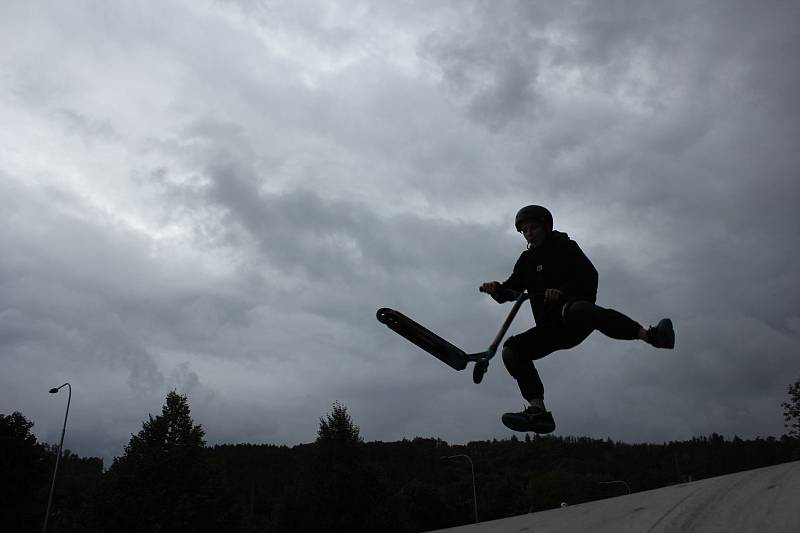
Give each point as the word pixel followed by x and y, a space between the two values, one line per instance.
pixel 534 212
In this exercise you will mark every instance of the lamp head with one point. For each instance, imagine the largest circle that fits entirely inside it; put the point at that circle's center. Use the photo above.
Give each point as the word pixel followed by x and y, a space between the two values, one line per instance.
pixel 53 390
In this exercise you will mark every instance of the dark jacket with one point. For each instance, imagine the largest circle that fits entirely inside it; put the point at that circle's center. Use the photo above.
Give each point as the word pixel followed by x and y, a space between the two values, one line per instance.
pixel 557 264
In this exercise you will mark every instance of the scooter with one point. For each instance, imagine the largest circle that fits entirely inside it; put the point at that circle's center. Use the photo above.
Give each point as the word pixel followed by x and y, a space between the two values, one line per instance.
pixel 443 350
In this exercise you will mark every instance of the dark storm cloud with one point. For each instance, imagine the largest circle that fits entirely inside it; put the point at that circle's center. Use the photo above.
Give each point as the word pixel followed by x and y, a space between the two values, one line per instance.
pixel 298 228
pixel 219 201
pixel 56 302
pixel 674 124
pixel 707 84
pixel 708 151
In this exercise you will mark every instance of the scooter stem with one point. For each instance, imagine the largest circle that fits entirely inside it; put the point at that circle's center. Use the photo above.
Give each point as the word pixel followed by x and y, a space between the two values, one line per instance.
pixel 504 328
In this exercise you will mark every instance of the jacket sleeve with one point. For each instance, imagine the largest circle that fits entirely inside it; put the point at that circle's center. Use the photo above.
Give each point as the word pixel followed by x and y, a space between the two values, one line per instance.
pixel 515 282
pixel 580 276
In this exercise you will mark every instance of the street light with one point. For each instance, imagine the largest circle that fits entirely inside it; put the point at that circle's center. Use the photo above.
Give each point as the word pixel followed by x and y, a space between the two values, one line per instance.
pixel 474 492
pixel 58 455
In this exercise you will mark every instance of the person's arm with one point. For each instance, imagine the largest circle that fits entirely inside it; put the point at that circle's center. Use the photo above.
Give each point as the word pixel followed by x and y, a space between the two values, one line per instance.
pixel 509 290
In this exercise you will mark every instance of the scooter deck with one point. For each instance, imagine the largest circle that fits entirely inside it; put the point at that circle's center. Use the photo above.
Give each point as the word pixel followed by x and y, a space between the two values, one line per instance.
pixel 441 349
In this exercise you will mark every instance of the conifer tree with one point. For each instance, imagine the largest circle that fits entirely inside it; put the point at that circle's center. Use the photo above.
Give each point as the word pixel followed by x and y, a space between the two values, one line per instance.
pixel 339 491
pixel 791 410
pixel 338 439
pixel 164 481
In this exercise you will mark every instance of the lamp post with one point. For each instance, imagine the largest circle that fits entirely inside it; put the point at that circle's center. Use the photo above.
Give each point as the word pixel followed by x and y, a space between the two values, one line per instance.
pixel 58 455
pixel 472 468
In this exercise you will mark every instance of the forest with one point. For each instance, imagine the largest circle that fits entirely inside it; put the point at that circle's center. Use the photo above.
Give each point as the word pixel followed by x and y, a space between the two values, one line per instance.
pixel 168 479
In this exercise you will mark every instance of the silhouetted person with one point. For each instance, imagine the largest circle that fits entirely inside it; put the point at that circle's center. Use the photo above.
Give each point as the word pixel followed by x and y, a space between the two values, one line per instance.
pixel 562 284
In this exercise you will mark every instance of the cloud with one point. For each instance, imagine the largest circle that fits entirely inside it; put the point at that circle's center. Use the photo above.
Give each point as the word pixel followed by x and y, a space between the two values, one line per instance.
pixel 218 197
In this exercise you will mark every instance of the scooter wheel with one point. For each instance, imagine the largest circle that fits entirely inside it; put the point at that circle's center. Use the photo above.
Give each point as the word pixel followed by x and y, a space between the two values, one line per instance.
pixel 480 369
pixel 386 316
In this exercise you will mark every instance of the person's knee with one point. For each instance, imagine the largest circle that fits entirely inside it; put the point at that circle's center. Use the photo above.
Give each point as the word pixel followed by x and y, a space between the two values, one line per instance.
pixel 580 314
pixel 511 360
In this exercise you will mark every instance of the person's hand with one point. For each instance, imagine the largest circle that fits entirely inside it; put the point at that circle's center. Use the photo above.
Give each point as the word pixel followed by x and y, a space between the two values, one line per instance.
pixel 490 287
pixel 553 295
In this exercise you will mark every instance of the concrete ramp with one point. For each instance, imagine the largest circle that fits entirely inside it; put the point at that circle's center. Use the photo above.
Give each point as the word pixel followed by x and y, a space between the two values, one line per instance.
pixel 766 500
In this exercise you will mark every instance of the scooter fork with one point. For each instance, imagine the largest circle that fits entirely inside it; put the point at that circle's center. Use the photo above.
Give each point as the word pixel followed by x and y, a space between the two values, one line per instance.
pixel 482 359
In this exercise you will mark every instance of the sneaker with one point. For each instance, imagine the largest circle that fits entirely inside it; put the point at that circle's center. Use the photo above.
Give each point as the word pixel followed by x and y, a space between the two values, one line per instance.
pixel 662 335
pixel 531 419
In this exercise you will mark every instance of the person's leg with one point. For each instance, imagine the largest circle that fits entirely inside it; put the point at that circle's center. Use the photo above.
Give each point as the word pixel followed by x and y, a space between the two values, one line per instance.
pixel 520 351
pixel 609 322
pixel 614 324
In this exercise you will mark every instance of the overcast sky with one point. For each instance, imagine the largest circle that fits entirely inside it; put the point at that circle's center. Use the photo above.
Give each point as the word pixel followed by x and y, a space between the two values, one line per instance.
pixel 216 196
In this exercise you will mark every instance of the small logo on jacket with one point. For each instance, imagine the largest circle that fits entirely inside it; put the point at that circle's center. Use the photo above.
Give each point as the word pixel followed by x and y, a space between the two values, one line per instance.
pixel 538 268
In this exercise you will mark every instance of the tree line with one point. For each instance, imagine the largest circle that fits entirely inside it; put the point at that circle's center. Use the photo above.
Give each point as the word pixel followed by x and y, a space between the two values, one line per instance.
pixel 169 480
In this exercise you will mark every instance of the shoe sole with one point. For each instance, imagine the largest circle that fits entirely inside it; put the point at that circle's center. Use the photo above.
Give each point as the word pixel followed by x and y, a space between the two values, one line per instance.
pixel 517 423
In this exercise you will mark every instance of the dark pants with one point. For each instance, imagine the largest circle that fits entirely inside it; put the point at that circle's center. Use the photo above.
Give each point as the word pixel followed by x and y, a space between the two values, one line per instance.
pixel 578 320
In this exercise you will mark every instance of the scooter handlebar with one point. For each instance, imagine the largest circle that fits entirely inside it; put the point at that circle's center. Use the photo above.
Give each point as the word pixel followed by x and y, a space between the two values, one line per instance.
pixel 502 294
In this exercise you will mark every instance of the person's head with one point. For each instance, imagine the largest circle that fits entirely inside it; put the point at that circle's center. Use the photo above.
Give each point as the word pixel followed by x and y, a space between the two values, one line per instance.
pixel 535 223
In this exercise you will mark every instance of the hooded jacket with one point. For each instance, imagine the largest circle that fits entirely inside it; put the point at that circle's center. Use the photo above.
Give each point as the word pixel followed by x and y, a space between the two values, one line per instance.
pixel 557 264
